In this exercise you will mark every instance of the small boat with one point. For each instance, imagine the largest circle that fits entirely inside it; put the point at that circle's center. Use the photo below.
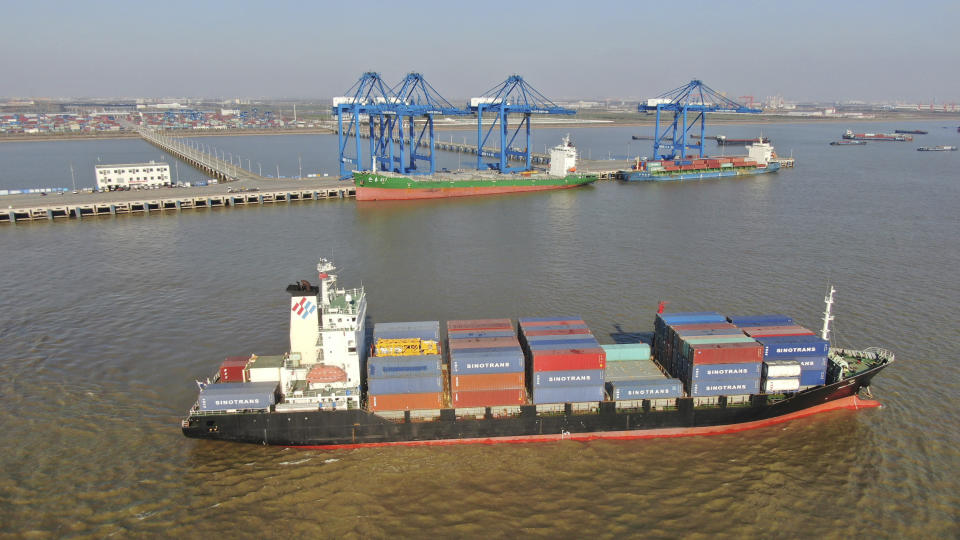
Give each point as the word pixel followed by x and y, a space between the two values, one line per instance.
pixel 941 148
pixel 848 142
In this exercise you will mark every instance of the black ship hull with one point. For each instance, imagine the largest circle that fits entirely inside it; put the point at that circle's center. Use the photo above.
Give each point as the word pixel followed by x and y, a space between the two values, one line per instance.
pixel 357 428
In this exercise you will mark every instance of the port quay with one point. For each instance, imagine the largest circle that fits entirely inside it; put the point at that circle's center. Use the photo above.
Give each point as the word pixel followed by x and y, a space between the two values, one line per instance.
pixel 238 187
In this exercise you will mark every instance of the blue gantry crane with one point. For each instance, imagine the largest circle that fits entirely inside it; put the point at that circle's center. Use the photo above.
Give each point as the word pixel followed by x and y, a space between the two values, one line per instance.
pixel 512 96
pixel 395 144
pixel 694 99
pixel 415 98
pixel 369 97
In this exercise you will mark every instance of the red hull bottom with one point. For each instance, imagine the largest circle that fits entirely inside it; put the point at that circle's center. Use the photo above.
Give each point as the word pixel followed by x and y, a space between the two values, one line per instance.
pixel 382 194
pixel 850 402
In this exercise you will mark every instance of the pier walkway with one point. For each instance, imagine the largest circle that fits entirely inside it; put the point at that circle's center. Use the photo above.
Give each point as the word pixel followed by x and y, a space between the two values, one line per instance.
pixel 88 205
pixel 194 154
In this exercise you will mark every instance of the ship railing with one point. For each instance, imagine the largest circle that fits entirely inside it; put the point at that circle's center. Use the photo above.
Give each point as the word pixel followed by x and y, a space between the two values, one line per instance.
pixel 877 353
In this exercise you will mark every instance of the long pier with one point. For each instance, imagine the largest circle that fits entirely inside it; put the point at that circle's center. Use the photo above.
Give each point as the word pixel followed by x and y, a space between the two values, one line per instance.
pixel 150 205
pixel 195 155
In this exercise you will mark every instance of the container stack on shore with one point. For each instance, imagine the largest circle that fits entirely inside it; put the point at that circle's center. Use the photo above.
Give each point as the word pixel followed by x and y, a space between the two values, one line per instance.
pixel 486 364
pixel 631 375
pixel 405 369
pixel 710 355
pixel 565 361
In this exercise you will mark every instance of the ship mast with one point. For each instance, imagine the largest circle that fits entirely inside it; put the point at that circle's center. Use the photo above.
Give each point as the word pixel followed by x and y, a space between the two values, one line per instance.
pixel 827 317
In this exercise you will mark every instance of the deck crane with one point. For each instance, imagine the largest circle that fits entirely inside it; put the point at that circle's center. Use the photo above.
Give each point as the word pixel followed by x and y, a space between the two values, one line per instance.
pixel 696 98
pixel 415 98
pixel 513 96
pixel 370 96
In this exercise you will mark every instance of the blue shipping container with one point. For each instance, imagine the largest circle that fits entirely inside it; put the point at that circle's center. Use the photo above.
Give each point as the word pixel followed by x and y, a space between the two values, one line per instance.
pixel 731 387
pixel 231 396
pixel 403 366
pixel 523 320
pixel 725 371
pixel 567 394
pixel 647 389
pixel 477 364
pixel 405 385
pixel 560 337
pixel 579 377
pixel 788 346
pixel 813 377
pixel 577 326
pixel 564 345
pixel 761 320
pixel 809 362
pixel 692 317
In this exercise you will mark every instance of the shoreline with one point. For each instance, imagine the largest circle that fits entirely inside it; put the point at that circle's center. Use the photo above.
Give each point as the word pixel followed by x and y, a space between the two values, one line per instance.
pixel 951 118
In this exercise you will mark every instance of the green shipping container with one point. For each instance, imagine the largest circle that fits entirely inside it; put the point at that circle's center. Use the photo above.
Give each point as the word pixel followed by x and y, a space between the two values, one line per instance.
pixel 625 352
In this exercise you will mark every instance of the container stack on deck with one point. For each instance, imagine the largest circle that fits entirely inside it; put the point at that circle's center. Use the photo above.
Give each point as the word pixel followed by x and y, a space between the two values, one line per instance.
pixel 405 371
pixel 711 356
pixel 786 343
pixel 486 364
pixel 565 361
pixel 631 375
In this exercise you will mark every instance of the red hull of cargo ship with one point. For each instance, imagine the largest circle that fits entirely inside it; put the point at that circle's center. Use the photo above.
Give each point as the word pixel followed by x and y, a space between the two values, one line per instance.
pixel 382 194
pixel 847 403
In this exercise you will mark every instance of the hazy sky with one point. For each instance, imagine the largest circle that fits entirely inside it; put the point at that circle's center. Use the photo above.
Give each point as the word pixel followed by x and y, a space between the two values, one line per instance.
pixel 805 50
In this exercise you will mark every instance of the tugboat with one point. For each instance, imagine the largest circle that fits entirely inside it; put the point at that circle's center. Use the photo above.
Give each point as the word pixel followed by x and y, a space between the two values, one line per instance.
pixel 279 402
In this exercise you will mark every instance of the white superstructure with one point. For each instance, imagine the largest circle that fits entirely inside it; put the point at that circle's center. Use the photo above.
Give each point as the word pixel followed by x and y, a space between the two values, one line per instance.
pixel 132 175
pixel 563 158
pixel 328 335
pixel 760 152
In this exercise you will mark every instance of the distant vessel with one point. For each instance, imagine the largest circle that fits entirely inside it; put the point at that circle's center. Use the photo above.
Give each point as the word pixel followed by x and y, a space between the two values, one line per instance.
pixel 723 140
pixel 848 142
pixel 941 148
pixel 876 136
pixel 387 186
pixel 760 158
pixel 642 137
pixel 911 131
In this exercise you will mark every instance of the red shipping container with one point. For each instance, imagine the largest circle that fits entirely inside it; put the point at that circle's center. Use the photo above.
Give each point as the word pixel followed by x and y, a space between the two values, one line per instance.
pixel 232 369
pixel 703 326
pixel 405 402
pixel 483 343
pixel 487 398
pixel 727 353
pixel 565 322
pixel 480 324
pixel 487 381
pixel 570 359
pixel 557 332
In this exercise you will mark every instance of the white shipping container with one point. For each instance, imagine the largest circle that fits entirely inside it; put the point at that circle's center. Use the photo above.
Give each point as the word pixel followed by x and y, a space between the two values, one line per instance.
pixel 781 385
pixel 778 369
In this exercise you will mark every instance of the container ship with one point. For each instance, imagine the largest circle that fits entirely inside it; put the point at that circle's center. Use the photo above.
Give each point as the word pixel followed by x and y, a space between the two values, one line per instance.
pixel 940 148
pixel 876 136
pixel 387 186
pixel 761 158
pixel 342 385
